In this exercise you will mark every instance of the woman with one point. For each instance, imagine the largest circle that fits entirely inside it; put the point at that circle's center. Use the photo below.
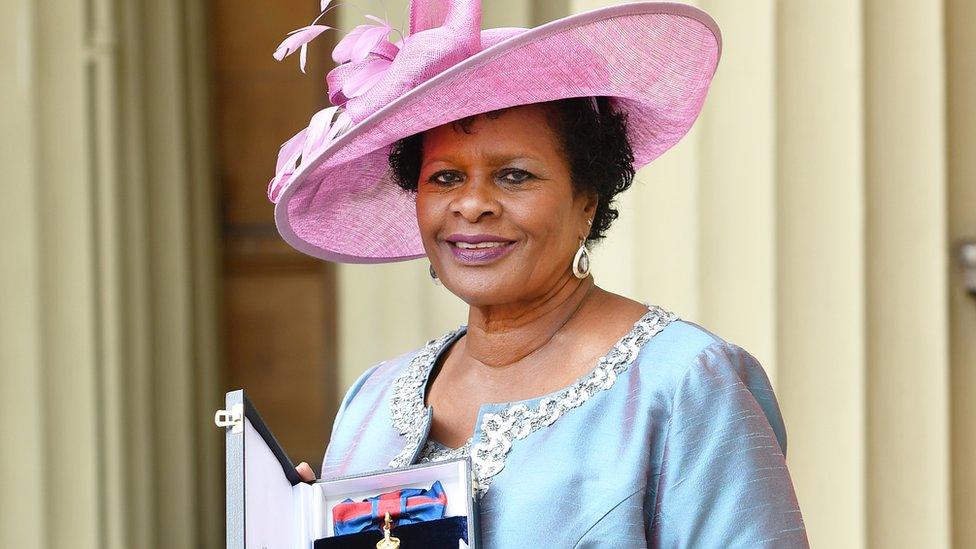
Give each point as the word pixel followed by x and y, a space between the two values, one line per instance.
pixel 590 419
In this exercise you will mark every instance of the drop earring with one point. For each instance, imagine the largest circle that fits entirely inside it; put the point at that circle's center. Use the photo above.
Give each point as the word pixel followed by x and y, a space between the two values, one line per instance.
pixel 433 276
pixel 581 261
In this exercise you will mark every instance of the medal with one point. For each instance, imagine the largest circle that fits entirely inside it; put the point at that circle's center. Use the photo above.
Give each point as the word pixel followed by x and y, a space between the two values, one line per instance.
pixel 388 542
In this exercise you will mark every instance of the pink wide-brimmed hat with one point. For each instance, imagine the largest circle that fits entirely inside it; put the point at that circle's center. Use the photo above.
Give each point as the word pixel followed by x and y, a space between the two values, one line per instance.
pixel 333 192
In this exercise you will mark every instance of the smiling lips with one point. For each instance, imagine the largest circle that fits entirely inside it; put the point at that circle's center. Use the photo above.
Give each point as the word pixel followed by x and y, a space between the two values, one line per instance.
pixel 478 249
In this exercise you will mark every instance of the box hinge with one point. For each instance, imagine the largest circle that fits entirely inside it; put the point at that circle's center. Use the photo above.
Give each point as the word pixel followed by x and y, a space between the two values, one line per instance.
pixel 233 418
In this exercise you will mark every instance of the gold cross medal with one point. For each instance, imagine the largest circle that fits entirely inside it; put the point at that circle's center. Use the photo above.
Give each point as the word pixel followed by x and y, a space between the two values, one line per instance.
pixel 388 541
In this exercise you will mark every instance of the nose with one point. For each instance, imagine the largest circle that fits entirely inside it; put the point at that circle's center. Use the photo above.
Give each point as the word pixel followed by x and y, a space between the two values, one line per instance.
pixel 476 199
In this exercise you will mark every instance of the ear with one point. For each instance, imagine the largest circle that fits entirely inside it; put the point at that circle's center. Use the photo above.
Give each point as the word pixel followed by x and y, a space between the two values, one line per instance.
pixel 588 201
pixel 589 209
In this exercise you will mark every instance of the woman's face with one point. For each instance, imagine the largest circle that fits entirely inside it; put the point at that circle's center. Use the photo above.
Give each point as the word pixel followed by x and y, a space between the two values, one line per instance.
pixel 497 212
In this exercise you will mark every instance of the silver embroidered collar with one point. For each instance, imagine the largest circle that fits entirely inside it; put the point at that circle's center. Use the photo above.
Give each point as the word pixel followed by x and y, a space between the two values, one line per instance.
pixel 518 419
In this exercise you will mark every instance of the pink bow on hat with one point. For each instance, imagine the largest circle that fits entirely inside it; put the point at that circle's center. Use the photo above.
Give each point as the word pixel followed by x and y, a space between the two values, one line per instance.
pixel 372 70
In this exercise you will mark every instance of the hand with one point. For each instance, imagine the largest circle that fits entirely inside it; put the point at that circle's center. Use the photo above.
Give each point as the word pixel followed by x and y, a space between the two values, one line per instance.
pixel 305 471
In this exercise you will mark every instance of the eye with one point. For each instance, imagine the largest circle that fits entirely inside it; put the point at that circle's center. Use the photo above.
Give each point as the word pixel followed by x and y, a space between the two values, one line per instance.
pixel 515 176
pixel 445 177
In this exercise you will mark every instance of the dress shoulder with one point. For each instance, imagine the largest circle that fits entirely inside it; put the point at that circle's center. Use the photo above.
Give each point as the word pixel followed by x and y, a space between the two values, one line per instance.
pixel 677 346
pixel 722 467
pixel 686 358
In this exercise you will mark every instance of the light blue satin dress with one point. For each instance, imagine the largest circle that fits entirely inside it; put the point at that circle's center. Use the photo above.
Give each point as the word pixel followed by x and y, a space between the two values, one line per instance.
pixel 674 439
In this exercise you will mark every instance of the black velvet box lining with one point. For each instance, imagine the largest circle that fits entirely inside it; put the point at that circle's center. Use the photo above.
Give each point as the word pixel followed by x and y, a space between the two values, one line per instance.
pixel 433 534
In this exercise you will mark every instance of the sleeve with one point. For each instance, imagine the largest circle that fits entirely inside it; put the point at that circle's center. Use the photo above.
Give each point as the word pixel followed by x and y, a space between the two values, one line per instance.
pixel 723 478
pixel 350 394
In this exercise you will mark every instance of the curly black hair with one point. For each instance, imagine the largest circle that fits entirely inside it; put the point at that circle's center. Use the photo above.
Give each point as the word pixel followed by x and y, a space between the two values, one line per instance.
pixel 600 157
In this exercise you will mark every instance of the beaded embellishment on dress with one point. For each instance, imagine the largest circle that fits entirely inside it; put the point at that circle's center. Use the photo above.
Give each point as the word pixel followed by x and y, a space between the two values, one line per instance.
pixel 516 421
pixel 407 405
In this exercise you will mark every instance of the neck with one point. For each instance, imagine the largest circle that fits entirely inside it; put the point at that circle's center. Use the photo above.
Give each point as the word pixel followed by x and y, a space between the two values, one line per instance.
pixel 503 335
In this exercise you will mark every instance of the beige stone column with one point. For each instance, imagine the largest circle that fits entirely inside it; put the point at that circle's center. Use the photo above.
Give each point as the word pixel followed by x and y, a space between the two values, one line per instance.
pixel 23 461
pixel 960 43
pixel 737 193
pixel 108 363
pixel 544 11
pixel 907 344
pixel 63 223
pixel 820 271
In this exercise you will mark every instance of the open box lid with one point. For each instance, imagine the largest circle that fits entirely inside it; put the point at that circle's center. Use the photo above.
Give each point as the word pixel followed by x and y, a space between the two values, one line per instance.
pixel 260 511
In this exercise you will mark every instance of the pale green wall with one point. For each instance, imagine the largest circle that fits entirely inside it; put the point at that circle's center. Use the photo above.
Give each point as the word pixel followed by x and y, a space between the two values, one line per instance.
pixel 108 335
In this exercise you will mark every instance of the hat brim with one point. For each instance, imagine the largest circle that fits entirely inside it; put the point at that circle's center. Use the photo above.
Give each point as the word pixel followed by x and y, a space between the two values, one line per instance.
pixel 655 60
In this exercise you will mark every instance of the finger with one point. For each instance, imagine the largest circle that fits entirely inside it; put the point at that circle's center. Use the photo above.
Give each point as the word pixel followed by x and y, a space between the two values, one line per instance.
pixel 305 471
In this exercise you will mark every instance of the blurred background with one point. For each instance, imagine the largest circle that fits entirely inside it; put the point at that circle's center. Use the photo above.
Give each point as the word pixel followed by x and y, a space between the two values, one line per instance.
pixel 813 216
